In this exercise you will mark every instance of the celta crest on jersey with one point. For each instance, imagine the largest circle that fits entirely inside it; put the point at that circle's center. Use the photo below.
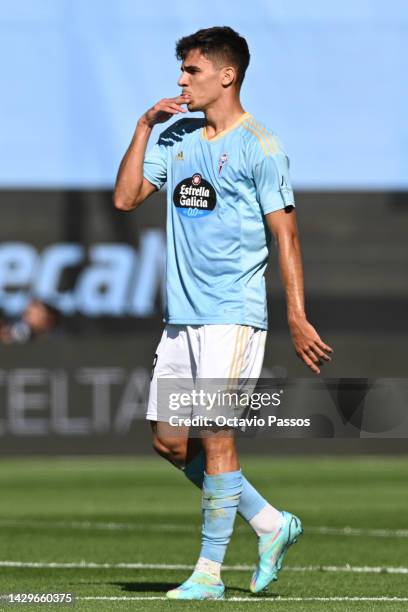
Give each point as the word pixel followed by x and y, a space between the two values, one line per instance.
pixel 194 197
pixel 285 189
pixel 222 161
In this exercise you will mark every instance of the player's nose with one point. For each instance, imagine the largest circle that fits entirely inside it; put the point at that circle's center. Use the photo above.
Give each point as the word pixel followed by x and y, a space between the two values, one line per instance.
pixel 182 82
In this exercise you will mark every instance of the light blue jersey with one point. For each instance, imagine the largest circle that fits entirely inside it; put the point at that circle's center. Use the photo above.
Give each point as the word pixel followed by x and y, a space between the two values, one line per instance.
pixel 218 192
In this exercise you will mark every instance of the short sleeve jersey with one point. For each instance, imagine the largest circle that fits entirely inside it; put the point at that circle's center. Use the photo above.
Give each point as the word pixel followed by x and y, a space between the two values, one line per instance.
pixel 218 193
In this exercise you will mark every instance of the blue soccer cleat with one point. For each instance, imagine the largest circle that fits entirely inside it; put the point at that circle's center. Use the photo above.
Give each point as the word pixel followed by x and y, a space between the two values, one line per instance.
pixel 272 550
pixel 198 586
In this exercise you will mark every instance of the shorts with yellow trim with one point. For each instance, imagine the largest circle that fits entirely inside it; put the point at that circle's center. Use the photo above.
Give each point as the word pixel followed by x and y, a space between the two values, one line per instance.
pixel 226 357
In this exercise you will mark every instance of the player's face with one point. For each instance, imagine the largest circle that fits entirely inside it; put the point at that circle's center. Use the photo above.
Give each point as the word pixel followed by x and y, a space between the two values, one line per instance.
pixel 201 80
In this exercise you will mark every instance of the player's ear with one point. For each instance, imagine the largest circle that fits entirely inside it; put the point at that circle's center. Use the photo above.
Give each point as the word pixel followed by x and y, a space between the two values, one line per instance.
pixel 228 76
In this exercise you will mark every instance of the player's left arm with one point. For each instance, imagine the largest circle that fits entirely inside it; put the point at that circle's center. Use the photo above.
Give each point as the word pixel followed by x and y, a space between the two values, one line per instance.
pixel 308 345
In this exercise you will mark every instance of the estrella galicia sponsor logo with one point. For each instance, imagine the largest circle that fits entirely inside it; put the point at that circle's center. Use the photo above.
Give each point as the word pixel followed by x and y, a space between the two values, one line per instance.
pixel 194 197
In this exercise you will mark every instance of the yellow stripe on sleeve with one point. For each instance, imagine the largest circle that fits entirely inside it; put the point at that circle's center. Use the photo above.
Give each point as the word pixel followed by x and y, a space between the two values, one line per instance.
pixel 258 136
pixel 270 139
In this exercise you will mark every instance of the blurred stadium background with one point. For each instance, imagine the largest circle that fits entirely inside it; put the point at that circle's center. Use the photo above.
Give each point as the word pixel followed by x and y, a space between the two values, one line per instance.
pixel 329 78
pixel 77 75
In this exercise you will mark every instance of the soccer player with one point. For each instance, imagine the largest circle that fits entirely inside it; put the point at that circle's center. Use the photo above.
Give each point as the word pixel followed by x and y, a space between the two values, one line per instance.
pixel 228 189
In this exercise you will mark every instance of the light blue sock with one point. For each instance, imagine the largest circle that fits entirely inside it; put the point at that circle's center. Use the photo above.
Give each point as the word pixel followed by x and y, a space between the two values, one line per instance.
pixel 250 502
pixel 221 493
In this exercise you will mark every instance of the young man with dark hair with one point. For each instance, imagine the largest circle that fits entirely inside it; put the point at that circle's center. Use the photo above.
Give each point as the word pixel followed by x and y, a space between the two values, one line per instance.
pixel 227 185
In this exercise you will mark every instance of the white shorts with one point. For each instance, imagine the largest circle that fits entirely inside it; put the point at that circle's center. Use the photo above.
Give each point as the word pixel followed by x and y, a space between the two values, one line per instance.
pixel 230 352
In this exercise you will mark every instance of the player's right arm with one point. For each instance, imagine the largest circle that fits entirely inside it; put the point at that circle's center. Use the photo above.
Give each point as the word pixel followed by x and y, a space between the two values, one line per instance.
pixel 131 188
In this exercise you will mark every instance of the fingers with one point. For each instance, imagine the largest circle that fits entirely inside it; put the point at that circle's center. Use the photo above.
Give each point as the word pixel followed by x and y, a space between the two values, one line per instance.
pixel 308 361
pixel 309 347
pixel 176 109
pixel 320 353
pixel 177 100
pixel 313 355
pixel 319 347
pixel 183 99
pixel 168 106
pixel 324 346
pixel 165 108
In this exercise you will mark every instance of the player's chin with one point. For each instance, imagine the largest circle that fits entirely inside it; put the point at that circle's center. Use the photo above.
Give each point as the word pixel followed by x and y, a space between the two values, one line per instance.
pixel 193 107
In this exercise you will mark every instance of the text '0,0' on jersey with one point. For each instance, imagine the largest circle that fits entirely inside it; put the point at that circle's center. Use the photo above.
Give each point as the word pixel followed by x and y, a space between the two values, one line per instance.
pixel 218 192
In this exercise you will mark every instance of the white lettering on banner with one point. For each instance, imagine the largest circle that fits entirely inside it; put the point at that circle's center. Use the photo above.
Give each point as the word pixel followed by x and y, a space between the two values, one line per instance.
pixel 22 402
pixel 151 274
pixel 54 260
pixel 17 265
pixel 101 379
pixel 116 280
pixel 102 288
pixel 61 422
pixel 38 402
pixel 129 405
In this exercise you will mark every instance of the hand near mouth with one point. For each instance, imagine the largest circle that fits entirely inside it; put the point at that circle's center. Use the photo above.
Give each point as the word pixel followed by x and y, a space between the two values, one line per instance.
pixel 164 109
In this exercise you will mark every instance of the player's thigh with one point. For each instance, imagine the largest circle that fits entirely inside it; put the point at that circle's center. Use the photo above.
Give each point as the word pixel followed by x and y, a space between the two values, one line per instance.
pixel 172 361
pixel 230 364
pixel 231 352
pixel 172 358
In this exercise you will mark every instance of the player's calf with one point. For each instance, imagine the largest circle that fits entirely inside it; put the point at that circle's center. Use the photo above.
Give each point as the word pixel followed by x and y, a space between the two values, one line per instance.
pixel 177 449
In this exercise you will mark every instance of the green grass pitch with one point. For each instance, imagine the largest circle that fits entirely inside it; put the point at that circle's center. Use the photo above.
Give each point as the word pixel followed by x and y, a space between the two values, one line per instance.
pixel 106 512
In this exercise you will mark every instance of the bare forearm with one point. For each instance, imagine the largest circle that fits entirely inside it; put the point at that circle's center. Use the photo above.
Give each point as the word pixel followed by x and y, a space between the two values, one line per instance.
pixel 129 180
pixel 291 268
pixel 307 343
pixel 131 188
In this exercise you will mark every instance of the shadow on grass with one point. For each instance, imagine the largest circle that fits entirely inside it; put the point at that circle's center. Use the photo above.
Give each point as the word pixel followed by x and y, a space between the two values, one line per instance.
pixel 163 587
pixel 232 590
pixel 146 587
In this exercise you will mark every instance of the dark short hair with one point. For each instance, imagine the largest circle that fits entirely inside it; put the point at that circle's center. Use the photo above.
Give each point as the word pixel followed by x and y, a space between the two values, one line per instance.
pixel 218 42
